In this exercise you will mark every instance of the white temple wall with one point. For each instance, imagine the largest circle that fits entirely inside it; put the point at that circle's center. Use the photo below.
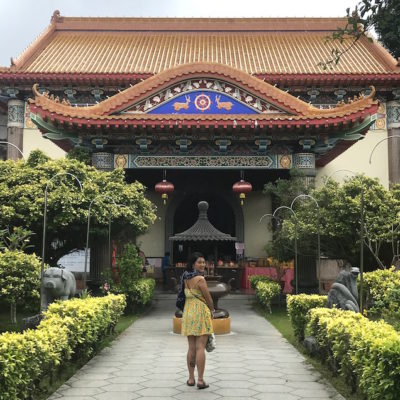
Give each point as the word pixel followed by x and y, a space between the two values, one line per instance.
pixel 356 159
pixel 256 234
pixel 33 140
pixel 152 242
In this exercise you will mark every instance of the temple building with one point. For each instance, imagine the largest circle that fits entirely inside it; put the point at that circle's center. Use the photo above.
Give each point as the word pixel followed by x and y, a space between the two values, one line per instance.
pixel 203 104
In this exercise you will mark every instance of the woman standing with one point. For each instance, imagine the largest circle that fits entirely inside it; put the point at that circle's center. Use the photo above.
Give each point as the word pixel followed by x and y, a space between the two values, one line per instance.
pixel 197 317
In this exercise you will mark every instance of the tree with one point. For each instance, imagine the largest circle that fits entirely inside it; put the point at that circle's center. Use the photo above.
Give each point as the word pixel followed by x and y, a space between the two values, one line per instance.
pixel 339 220
pixel 19 279
pixel 381 15
pixel 22 187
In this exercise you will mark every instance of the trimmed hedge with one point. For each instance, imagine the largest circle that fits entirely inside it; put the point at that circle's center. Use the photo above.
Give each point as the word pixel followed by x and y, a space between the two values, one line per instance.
pixel 254 279
pixel 382 291
pixel 266 291
pixel 298 306
pixel 140 293
pixel 365 352
pixel 72 326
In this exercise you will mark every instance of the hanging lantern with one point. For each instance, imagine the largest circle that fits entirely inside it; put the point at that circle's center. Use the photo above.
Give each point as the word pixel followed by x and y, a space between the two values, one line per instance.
pixel 242 187
pixel 164 187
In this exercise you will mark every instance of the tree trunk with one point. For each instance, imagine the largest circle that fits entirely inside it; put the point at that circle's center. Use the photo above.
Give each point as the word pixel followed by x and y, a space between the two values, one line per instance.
pixel 13 313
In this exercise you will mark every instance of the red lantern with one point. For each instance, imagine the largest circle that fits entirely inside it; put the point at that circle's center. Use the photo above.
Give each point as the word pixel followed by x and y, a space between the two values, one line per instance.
pixel 242 187
pixel 164 188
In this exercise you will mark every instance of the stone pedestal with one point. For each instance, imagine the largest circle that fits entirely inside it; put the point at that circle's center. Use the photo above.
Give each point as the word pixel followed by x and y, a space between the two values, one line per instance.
pixel 15 128
pixel 393 121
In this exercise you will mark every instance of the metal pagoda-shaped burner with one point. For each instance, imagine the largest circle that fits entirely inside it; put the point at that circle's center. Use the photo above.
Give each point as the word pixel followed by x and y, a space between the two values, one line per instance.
pixel 203 230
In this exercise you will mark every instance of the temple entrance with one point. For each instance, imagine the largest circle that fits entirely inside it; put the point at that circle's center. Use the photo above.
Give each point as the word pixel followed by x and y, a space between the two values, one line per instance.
pixel 220 214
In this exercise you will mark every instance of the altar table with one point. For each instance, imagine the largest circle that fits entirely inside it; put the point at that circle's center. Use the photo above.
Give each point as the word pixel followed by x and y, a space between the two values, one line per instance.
pixel 286 277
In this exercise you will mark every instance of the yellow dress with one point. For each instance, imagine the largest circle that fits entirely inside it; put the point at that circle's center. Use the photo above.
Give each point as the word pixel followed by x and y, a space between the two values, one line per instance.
pixel 196 317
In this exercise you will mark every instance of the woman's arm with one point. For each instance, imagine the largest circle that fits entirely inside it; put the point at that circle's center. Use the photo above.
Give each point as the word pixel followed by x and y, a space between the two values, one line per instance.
pixel 202 284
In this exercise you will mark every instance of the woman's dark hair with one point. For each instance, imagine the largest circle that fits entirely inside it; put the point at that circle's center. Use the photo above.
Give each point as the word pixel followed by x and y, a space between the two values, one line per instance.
pixel 192 259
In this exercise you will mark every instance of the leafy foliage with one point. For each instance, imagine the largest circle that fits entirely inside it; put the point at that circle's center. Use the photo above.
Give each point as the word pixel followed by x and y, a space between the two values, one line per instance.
pixel 69 327
pixel 128 281
pixel 382 290
pixel 22 187
pixel 266 291
pixel 366 353
pixel 129 266
pixel 338 221
pixel 79 153
pixel 381 15
pixel 19 277
pixel 17 239
pixel 254 279
pixel 298 306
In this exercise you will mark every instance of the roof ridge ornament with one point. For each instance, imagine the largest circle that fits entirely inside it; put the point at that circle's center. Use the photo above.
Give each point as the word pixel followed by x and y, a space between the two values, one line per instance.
pixel 56 17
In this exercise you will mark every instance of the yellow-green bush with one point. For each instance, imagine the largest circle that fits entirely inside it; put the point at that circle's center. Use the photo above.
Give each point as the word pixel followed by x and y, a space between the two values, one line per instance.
pixel 254 279
pixel 298 306
pixel 365 352
pixel 382 292
pixel 140 293
pixel 266 291
pixel 68 326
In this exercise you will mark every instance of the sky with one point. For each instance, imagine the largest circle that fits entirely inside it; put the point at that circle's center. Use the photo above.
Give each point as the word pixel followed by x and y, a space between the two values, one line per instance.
pixel 23 20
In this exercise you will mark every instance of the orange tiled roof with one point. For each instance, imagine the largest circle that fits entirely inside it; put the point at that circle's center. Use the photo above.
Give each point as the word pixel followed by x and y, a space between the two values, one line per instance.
pixel 109 109
pixel 152 45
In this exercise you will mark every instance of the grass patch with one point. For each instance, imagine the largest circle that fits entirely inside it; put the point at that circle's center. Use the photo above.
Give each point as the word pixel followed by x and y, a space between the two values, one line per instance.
pixel 280 320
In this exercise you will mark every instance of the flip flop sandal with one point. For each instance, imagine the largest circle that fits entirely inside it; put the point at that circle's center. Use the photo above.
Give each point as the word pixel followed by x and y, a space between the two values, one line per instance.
pixel 190 384
pixel 202 385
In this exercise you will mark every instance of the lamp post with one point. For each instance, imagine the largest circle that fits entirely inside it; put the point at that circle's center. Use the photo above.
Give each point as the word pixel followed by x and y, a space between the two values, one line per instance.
pixel 383 140
pixel 13 145
pixel 361 231
pixel 295 243
pixel 88 230
pixel 44 227
pixel 307 196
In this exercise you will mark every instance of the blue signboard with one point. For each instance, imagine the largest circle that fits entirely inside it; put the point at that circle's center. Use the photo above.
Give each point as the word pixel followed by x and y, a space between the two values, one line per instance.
pixel 203 102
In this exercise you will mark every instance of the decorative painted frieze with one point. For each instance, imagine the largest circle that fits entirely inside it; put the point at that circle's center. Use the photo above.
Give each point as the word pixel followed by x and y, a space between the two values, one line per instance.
pixel 28 121
pixel 203 96
pixel 304 161
pixel 271 161
pixel 393 114
pixel 16 113
pixel 102 160
pixel 380 122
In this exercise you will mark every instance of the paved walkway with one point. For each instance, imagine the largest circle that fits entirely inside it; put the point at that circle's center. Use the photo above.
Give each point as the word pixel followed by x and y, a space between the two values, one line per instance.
pixel 149 362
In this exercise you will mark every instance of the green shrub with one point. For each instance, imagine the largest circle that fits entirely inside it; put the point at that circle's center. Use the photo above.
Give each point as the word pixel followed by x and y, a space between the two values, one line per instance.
pixel 298 306
pixel 140 293
pixel 254 279
pixel 366 353
pixel 382 291
pixel 19 278
pixel 87 320
pixel 266 291
pixel 68 327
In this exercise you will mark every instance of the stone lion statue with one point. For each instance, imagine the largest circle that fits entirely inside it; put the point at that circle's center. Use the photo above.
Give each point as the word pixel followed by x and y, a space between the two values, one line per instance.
pixel 343 293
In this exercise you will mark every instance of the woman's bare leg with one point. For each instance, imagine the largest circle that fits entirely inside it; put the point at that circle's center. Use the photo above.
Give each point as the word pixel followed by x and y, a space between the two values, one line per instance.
pixel 191 357
pixel 201 342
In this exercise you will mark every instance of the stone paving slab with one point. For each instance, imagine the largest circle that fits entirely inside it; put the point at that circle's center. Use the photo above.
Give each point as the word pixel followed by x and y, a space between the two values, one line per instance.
pixel 149 362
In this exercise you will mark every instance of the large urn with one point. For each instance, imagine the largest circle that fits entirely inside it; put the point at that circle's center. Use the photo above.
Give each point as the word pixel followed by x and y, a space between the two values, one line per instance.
pixel 217 290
